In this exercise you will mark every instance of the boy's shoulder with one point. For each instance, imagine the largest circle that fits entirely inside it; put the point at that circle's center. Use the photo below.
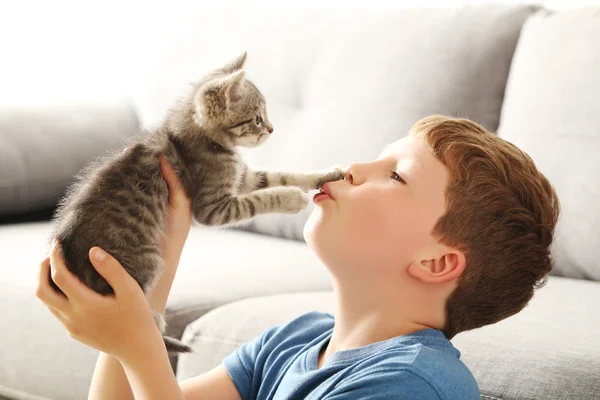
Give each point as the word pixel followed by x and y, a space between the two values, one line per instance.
pixel 430 357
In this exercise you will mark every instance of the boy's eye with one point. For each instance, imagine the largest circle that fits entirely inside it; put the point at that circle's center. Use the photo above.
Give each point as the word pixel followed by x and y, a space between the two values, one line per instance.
pixel 396 177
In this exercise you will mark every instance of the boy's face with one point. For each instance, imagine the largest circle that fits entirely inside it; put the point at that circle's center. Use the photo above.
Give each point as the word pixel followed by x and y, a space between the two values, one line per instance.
pixel 377 223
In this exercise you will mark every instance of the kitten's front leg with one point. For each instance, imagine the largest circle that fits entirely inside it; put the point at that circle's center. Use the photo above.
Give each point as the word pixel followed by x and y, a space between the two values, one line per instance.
pixel 232 209
pixel 255 180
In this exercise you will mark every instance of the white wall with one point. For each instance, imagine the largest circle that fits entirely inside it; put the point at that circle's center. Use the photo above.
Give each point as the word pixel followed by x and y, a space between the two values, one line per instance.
pixel 62 51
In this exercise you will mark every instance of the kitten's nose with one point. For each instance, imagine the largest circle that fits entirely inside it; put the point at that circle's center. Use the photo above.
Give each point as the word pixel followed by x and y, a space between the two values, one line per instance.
pixel 270 129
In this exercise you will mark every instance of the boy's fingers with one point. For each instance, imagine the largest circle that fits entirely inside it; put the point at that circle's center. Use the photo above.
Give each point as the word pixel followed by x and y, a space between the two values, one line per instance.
pixel 177 194
pixel 45 292
pixel 111 270
pixel 169 174
pixel 64 320
pixel 58 315
pixel 69 283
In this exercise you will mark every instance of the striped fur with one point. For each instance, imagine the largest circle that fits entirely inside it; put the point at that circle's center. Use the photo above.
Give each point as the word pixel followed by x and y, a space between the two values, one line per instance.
pixel 119 202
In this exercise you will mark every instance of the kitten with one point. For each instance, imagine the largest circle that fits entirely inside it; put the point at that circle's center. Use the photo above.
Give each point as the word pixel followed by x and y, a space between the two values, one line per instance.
pixel 119 202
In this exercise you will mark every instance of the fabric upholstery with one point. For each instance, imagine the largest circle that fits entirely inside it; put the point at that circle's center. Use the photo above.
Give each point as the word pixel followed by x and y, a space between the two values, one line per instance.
pixel 42 148
pixel 551 112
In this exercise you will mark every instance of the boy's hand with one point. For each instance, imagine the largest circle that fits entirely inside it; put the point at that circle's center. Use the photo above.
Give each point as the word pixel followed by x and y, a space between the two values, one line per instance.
pixel 178 224
pixel 120 324
pixel 179 217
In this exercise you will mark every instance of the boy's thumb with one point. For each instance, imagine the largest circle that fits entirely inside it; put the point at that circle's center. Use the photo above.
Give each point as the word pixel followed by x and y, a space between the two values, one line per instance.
pixel 98 255
pixel 109 268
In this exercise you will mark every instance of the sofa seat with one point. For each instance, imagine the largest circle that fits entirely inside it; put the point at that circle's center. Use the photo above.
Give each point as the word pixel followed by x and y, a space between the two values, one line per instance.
pixel 527 356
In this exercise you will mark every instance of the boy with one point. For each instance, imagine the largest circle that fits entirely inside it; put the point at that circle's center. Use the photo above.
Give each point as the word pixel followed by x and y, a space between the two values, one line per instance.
pixel 448 230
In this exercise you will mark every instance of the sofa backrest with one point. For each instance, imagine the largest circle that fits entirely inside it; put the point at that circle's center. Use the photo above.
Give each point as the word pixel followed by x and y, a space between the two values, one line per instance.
pixel 342 85
pixel 551 111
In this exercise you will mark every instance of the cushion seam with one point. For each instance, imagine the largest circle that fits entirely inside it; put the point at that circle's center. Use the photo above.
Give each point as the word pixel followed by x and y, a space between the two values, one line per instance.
pixel 216 339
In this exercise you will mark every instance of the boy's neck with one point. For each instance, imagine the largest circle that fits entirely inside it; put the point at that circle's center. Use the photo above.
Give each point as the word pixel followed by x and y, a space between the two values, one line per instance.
pixel 363 319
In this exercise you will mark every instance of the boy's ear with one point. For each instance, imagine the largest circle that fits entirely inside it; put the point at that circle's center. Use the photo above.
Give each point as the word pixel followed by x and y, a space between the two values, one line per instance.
pixel 446 267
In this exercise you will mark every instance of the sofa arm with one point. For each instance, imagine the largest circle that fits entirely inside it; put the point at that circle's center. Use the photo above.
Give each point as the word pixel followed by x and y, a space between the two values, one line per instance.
pixel 42 148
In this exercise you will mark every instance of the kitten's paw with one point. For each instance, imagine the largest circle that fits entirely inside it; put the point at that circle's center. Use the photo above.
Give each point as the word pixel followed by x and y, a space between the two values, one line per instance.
pixel 337 174
pixel 295 202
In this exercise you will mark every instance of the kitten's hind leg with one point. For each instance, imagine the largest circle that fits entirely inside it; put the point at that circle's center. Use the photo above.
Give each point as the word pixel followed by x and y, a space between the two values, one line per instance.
pixel 173 346
pixel 159 320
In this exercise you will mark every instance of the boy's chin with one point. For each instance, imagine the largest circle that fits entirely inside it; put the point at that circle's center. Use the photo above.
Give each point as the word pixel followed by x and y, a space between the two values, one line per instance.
pixel 309 231
pixel 314 226
pixel 321 235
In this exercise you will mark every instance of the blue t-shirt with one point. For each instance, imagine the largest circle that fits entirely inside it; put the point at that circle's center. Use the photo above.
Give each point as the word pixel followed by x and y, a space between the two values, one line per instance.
pixel 281 363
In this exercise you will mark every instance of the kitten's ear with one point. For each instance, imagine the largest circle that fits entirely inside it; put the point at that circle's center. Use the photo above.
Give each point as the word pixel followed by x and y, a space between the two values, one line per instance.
pixel 235 65
pixel 232 87
pixel 224 91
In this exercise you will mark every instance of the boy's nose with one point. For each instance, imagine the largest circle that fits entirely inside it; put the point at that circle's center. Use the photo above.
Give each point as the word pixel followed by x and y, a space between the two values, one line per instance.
pixel 349 176
pixel 354 175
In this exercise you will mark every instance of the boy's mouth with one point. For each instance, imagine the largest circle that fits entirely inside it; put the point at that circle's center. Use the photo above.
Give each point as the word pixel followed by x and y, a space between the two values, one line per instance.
pixel 326 190
pixel 324 194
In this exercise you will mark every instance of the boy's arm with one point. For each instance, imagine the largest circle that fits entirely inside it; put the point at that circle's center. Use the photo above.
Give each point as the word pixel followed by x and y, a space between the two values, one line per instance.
pixel 150 374
pixel 110 380
pixel 215 384
pixel 151 377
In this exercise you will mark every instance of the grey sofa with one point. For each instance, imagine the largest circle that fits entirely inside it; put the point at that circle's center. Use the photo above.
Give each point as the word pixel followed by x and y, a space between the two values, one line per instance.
pixel 339 86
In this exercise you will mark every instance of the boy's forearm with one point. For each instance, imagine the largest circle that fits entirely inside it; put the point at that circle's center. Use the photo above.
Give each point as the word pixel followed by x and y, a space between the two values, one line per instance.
pixel 160 294
pixel 109 380
pixel 148 377
pixel 150 374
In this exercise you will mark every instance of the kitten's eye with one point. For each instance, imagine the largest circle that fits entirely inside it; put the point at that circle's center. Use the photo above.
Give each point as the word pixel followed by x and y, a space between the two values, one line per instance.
pixel 394 175
pixel 258 120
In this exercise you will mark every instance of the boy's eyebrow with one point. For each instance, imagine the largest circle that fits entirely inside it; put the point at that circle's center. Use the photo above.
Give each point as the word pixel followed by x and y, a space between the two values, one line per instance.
pixel 417 160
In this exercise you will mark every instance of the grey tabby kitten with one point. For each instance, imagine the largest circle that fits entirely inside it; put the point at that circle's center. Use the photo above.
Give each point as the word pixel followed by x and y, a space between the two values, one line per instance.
pixel 119 202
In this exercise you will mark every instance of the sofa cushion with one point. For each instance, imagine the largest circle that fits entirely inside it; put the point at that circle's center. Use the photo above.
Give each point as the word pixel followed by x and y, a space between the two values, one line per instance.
pixel 547 351
pixel 341 85
pixel 551 112
pixel 220 266
pixel 43 147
